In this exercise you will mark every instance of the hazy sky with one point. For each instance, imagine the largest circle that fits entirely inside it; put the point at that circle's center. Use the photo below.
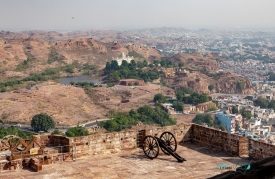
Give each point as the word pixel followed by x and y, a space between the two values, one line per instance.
pixel 133 14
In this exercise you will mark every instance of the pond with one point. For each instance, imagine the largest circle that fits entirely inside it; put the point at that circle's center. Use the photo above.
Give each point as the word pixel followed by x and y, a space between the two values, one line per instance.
pixel 83 78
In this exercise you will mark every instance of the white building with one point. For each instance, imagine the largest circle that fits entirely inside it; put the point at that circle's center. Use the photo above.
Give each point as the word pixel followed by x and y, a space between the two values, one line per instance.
pixel 124 57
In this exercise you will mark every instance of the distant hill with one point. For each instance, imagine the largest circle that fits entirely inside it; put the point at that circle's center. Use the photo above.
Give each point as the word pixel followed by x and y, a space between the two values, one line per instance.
pixel 30 55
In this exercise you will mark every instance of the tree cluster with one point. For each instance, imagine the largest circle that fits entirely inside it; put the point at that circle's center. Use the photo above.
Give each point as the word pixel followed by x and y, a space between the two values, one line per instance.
pixel 77 131
pixel 164 62
pixel 195 98
pixel 159 98
pixel 264 103
pixel 145 114
pixel 128 70
pixel 245 114
pixel 271 76
pixel 202 119
pixel 178 106
pixel 13 131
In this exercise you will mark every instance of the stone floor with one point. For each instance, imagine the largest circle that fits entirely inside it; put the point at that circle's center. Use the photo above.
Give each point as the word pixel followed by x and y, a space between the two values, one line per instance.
pixel 200 162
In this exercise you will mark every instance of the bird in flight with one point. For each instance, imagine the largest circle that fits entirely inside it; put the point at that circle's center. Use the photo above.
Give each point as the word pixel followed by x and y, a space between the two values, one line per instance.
pixel 73 17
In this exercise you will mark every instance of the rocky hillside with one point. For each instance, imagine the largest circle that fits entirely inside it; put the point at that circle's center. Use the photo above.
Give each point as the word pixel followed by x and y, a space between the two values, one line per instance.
pixel 201 75
pixel 197 61
pixel 25 56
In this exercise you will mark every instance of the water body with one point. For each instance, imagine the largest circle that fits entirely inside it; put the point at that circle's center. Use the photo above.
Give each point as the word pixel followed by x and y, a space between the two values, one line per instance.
pixel 83 78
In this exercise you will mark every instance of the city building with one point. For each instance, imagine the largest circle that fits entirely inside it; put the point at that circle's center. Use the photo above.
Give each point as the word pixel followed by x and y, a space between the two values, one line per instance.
pixel 228 121
pixel 123 57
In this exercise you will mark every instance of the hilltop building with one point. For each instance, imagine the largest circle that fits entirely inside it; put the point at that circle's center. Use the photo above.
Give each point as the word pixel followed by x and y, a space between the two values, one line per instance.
pixel 123 57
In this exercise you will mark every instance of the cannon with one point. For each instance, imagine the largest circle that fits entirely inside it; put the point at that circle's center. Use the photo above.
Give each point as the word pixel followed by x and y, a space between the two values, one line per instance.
pixel 167 143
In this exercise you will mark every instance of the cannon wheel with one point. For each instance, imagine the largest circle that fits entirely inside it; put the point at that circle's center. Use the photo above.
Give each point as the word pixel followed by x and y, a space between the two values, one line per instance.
pixel 150 147
pixel 169 140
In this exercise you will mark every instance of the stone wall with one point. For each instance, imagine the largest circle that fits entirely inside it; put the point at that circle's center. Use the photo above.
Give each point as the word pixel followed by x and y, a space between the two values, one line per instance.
pixel 219 140
pixel 104 143
pixel 259 150
pixel 182 132
pixel 52 140
pixel 204 136
pixel 113 142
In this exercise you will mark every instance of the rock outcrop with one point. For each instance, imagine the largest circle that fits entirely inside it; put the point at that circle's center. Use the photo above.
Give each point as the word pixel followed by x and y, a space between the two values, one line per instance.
pixel 202 71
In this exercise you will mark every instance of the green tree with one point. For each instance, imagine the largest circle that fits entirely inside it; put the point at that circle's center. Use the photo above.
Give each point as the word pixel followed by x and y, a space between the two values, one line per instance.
pixel 203 119
pixel 42 122
pixel 211 87
pixel 114 65
pixel 153 74
pixel 13 131
pixel 132 65
pixel 114 76
pixel 245 114
pixel 77 131
pixel 57 132
pixel 271 76
pixel 124 64
pixel 145 63
pixel 262 102
pixel 271 104
pixel 108 66
pixel 178 106
pixel 180 64
pixel 145 114
pixel 235 110
pixel 3 89
pixel 180 95
pixel 222 127
pixel 159 98
pixel 163 63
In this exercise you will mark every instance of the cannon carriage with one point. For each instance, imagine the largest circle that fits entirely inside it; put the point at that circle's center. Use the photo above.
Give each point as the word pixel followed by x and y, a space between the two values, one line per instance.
pixel 167 143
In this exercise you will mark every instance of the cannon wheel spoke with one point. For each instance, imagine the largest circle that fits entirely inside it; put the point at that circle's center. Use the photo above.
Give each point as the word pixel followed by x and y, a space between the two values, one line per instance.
pixel 150 147
pixel 169 140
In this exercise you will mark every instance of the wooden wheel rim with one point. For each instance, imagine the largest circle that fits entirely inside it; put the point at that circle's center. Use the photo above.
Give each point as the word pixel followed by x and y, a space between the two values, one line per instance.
pixel 150 147
pixel 169 140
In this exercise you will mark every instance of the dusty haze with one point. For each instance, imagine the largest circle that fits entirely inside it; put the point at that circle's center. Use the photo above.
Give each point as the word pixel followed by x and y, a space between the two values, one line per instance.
pixel 128 14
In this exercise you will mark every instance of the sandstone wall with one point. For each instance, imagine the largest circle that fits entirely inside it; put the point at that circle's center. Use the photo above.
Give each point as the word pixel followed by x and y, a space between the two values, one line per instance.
pixel 218 140
pixel 53 140
pixel 104 143
pixel 182 132
pixel 113 142
pixel 259 150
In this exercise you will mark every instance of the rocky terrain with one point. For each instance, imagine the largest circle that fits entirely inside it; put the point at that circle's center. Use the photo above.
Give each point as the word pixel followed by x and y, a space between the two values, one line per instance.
pixel 226 83
pixel 202 71
pixel 32 55
pixel 197 61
